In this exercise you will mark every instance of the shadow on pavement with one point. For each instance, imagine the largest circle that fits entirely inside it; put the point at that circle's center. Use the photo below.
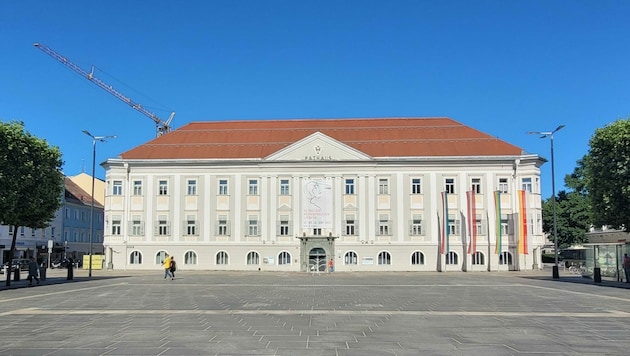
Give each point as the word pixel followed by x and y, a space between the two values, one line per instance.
pixel 582 280
pixel 23 282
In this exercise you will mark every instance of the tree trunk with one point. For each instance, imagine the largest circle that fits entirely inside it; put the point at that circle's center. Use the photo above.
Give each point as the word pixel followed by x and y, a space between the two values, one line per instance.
pixel 11 256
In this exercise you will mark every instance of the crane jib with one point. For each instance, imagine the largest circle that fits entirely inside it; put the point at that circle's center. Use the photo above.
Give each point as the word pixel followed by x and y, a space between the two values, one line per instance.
pixel 162 126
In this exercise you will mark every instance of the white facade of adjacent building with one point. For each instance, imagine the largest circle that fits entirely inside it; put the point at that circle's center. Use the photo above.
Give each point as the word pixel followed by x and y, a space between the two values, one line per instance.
pixel 319 198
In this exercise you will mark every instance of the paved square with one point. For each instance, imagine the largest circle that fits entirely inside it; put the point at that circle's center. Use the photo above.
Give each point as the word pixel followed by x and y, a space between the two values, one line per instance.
pixel 264 313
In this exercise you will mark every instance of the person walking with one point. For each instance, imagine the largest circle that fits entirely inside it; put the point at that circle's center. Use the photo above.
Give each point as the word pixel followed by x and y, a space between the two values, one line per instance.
pixel 173 268
pixel 626 267
pixel 167 267
pixel 331 266
pixel 33 270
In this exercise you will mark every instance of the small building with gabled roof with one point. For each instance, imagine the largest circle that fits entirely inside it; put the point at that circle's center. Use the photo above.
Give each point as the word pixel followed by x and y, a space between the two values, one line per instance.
pixel 374 194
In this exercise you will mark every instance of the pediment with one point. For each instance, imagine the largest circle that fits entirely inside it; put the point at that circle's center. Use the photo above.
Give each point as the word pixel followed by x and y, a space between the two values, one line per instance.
pixel 318 147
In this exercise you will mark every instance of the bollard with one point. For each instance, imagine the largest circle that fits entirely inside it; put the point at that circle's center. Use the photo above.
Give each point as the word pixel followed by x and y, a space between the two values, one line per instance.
pixel 597 275
pixel 16 274
pixel 70 266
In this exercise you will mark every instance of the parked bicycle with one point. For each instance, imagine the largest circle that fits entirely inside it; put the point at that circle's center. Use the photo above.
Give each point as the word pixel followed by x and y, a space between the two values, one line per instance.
pixel 577 269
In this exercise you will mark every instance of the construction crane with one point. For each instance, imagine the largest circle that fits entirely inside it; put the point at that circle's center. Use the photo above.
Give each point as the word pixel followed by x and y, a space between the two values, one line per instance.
pixel 161 126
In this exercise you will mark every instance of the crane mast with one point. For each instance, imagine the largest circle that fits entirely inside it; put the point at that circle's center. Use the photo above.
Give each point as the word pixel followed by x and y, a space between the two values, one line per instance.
pixel 161 126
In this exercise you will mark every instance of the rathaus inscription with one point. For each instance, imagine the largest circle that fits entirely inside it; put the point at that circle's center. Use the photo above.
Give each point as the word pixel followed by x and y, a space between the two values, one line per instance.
pixel 318 155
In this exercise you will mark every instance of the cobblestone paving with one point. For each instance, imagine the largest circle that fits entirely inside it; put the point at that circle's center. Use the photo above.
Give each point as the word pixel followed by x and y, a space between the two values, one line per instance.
pixel 264 313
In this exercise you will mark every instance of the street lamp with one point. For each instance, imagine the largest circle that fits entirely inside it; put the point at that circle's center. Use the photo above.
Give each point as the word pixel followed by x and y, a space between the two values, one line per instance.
pixel 549 134
pixel 94 139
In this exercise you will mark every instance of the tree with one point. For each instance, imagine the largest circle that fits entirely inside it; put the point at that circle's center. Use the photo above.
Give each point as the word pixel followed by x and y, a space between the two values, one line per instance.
pixel 572 210
pixel 31 180
pixel 607 173
pixel 572 213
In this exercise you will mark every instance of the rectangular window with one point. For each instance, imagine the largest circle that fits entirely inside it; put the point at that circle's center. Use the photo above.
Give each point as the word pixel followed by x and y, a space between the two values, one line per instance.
pixel 67 214
pixel 503 185
pixel 505 225
pixel 479 226
pixel 449 185
pixel 350 225
pixel 222 226
pixel 317 232
pixel 115 225
pixel 191 225
pixel 416 186
pixel 527 184
pixel 252 187
pixel 117 187
pixel 383 225
pixel 475 184
pixel 416 225
pixel 191 187
pixel 252 225
pixel 284 225
pixel 350 186
pixel 162 225
pixel 383 186
pixel 453 225
pixel 284 187
pixel 136 225
pixel 163 187
pixel 137 187
pixel 223 187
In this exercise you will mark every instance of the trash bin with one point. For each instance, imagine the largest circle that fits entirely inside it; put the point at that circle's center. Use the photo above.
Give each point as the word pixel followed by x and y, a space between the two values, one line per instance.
pixel 597 275
pixel 42 273
pixel 16 274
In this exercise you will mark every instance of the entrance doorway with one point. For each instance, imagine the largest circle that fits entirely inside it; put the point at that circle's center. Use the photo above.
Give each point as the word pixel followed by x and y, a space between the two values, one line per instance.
pixel 315 251
pixel 317 260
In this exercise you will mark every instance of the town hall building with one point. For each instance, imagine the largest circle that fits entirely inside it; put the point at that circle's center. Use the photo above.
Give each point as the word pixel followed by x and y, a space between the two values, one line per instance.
pixel 378 194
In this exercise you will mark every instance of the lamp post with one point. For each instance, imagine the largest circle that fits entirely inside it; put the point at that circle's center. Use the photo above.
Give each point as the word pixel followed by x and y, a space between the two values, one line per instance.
pixel 94 139
pixel 549 134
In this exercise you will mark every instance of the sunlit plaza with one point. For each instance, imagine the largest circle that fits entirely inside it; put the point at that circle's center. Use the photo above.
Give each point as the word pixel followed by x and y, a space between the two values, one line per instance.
pixel 275 313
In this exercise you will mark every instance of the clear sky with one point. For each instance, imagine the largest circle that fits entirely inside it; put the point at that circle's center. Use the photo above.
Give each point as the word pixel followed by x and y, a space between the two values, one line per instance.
pixel 502 67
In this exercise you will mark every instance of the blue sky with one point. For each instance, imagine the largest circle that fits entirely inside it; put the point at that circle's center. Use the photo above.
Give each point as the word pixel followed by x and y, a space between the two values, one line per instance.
pixel 502 67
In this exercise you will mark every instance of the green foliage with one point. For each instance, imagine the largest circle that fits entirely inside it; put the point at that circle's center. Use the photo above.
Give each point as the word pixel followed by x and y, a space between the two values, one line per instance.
pixel 31 181
pixel 573 212
pixel 576 181
pixel 573 218
pixel 607 175
pixel 549 258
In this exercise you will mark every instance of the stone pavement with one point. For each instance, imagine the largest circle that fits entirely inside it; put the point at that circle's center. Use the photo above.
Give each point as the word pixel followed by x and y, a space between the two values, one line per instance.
pixel 274 313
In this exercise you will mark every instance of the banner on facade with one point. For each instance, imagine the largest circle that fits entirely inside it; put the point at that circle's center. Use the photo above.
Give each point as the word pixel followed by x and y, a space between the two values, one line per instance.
pixel 317 204
pixel 522 226
pixel 472 221
pixel 497 217
pixel 445 248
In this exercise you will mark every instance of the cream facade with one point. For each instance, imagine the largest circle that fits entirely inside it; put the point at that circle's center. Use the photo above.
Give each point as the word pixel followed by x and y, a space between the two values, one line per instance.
pixel 319 199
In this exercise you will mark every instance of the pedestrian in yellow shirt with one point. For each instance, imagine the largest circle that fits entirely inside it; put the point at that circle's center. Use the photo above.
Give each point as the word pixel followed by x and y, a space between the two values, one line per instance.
pixel 167 267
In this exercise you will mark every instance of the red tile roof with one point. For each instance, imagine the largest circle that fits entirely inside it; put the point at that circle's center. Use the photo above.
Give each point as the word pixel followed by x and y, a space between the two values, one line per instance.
pixel 376 137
